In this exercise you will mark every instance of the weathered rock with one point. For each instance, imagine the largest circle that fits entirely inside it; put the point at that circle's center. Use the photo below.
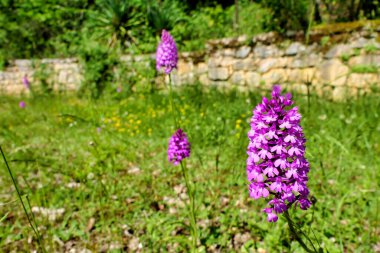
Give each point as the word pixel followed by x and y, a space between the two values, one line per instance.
pixel 201 68
pixel 184 67
pixel 203 79
pixel 362 80
pixel 245 64
pixel 227 61
pixel 243 52
pixel 214 62
pixel 310 49
pixel 305 61
pixel 62 77
pixel 23 65
pixel 274 76
pixel 65 66
pixel 373 60
pixel 238 78
pixel 338 51
pixel 14 88
pixel 229 52
pixel 360 43
pixel 226 42
pixel 74 79
pixel 266 51
pixel 283 62
pixel 218 74
pixel 267 64
pixel 265 38
pixel 333 72
pixel 294 49
pixel 307 75
pixel 253 79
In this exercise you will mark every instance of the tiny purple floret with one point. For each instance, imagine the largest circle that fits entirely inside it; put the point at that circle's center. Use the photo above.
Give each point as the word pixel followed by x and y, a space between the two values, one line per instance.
pixel 179 147
pixel 166 54
pixel 22 104
pixel 276 165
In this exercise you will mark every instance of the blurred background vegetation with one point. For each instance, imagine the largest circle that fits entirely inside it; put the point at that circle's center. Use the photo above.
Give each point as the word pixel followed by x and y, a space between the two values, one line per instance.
pixel 58 28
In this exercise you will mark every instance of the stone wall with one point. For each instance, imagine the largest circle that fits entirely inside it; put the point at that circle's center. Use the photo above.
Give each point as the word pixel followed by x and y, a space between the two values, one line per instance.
pixel 347 68
pixel 62 73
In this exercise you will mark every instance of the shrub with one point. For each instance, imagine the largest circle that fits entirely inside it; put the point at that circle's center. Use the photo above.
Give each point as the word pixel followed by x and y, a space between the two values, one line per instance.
pixel 43 79
pixel 98 64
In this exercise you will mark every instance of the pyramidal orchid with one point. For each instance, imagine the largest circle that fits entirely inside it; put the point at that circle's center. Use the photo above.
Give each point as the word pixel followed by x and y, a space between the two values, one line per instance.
pixel 276 165
pixel 179 147
pixel 22 104
pixel 166 54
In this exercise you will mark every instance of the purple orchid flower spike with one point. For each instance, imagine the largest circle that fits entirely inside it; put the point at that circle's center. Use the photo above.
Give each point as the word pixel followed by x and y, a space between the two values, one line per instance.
pixel 179 147
pixel 166 54
pixel 22 104
pixel 276 166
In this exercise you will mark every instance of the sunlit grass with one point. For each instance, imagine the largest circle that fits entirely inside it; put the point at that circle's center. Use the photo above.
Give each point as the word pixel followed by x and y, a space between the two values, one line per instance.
pixel 105 163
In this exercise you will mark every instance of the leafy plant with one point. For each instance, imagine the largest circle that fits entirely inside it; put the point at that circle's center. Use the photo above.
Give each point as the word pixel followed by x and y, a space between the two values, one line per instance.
pixel 371 48
pixel 345 57
pixel 164 15
pixel 34 28
pixel 289 14
pixel 43 78
pixel 98 64
pixel 325 40
pixel 116 21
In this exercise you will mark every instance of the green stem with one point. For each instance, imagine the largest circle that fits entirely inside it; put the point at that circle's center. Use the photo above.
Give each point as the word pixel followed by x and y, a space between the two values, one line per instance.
pixel 296 235
pixel 193 219
pixel 34 228
pixel 172 103
pixel 190 190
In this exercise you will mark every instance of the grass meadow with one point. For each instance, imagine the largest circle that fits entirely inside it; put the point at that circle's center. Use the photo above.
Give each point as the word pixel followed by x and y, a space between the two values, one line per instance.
pixel 97 176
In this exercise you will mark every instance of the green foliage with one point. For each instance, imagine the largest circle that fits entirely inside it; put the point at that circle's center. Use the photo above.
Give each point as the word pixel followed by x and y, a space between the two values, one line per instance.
pixel 98 66
pixel 325 40
pixel 164 15
pixel 116 21
pixel 289 14
pixel 216 22
pixel 248 25
pixel 42 77
pixel 57 28
pixel 371 48
pixel 36 28
pixel 364 69
pixel 345 57
pixel 136 77
pixel 342 10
